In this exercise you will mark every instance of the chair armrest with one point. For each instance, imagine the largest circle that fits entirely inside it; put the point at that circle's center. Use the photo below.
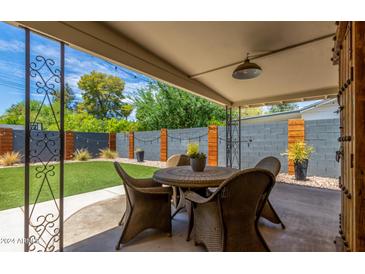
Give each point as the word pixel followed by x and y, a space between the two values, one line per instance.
pixel 196 198
pixel 155 190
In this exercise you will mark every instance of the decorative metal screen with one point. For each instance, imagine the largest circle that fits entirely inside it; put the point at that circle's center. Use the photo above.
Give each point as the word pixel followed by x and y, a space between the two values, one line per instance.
pixel 44 178
pixel 233 137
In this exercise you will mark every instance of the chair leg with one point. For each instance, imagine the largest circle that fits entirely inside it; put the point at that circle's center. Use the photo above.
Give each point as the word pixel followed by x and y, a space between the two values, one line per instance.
pixel 121 220
pixel 191 220
pixel 275 214
pixel 181 204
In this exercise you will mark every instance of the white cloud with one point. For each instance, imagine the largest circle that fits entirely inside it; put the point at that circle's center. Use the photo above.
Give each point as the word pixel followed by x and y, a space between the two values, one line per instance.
pixel 11 46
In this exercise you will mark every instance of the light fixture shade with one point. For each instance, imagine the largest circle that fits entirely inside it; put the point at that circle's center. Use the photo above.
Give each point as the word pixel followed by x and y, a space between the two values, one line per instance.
pixel 247 70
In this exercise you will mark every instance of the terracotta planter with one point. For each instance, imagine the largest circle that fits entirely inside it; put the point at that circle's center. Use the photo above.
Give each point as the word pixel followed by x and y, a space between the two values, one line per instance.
pixel 198 165
pixel 140 156
pixel 301 170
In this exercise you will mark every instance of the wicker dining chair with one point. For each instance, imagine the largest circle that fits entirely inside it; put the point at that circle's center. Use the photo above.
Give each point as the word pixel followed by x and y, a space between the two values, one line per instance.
pixel 273 165
pixel 174 161
pixel 228 219
pixel 148 206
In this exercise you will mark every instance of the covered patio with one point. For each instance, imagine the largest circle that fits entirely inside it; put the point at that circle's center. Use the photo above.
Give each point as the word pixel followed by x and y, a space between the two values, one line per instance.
pixel 311 216
pixel 199 57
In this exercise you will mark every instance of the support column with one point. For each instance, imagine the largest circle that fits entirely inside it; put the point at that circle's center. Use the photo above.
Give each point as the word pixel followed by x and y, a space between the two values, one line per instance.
pixel 295 134
pixel 6 140
pixel 112 142
pixel 163 145
pixel 131 145
pixel 213 145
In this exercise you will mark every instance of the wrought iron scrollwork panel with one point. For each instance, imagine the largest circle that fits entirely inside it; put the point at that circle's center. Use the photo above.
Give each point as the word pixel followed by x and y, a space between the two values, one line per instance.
pixel 43 155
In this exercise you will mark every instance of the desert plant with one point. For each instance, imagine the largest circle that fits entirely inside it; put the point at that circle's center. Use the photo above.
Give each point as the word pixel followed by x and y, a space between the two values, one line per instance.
pixel 107 153
pixel 299 152
pixel 10 158
pixel 193 151
pixel 82 154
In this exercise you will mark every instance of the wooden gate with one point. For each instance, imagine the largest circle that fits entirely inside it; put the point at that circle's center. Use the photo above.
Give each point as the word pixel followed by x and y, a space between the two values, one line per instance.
pixel 349 53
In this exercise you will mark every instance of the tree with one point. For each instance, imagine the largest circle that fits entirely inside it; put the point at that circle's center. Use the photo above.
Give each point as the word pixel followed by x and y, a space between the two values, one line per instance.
pixel 69 97
pixel 103 96
pixel 162 106
pixel 249 112
pixel 282 107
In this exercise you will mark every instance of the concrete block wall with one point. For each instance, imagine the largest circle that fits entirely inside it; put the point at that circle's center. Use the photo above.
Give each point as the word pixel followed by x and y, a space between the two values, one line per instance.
pixel 149 141
pixel 122 143
pixel 38 153
pixel 322 135
pixel 262 140
pixel 257 141
pixel 91 141
pixel 179 139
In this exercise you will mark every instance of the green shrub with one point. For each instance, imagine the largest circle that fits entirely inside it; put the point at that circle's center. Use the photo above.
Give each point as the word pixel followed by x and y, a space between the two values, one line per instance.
pixel 107 153
pixel 10 158
pixel 299 152
pixel 82 155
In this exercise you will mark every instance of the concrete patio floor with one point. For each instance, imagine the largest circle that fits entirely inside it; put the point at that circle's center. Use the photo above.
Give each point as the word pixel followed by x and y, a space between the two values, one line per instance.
pixel 310 215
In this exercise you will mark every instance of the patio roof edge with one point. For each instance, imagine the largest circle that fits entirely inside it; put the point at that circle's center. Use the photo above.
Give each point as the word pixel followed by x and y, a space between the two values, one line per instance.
pixel 316 94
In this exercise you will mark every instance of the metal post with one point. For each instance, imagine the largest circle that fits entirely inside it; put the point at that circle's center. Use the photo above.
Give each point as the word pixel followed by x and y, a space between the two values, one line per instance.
pixel 239 137
pixel 230 139
pixel 227 137
pixel 27 140
pixel 62 140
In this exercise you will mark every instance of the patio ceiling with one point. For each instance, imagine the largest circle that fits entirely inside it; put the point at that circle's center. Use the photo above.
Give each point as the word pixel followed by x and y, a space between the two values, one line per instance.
pixel 175 52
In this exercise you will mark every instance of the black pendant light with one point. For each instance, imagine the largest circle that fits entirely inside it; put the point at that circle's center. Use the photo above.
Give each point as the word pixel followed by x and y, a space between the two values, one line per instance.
pixel 247 70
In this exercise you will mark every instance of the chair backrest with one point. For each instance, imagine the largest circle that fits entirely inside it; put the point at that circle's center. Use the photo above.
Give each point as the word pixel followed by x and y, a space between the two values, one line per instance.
pixel 129 183
pixel 241 199
pixel 178 160
pixel 271 164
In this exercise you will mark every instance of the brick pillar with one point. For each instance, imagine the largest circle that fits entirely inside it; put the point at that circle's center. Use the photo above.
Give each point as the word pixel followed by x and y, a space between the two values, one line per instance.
pixel 163 145
pixel 69 145
pixel 112 142
pixel 6 140
pixel 296 133
pixel 213 145
pixel 131 145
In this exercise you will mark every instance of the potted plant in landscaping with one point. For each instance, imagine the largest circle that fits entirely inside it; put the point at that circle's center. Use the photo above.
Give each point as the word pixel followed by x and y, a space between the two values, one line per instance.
pixel 197 159
pixel 300 153
pixel 140 155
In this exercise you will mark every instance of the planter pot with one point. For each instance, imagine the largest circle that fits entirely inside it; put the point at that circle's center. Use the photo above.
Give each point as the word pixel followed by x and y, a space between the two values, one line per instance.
pixel 301 170
pixel 140 156
pixel 197 165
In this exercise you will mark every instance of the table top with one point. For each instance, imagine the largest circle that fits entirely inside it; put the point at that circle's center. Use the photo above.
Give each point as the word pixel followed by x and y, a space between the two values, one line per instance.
pixel 184 176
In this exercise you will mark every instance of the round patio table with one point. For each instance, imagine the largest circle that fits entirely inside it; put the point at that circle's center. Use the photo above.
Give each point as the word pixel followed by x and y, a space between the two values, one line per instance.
pixel 185 178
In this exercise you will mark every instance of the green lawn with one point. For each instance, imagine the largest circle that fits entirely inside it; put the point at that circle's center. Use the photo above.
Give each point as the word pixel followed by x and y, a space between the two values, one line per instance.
pixel 80 177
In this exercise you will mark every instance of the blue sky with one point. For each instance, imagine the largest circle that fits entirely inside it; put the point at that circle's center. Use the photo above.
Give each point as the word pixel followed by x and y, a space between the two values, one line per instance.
pixel 77 63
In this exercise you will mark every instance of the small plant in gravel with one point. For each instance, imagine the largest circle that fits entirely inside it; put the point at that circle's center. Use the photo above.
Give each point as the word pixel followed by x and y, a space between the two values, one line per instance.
pixel 82 154
pixel 107 153
pixel 10 158
pixel 299 152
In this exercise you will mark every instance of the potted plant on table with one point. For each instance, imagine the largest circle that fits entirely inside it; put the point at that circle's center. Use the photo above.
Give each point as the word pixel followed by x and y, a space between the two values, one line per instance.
pixel 140 155
pixel 197 159
pixel 300 153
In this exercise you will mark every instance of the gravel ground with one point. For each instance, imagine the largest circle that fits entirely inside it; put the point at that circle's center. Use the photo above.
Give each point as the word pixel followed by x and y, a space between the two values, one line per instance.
pixel 313 181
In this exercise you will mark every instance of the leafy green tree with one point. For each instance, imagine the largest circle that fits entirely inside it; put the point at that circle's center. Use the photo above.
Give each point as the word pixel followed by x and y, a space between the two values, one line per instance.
pixel 162 106
pixel 103 96
pixel 70 97
pixel 283 107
